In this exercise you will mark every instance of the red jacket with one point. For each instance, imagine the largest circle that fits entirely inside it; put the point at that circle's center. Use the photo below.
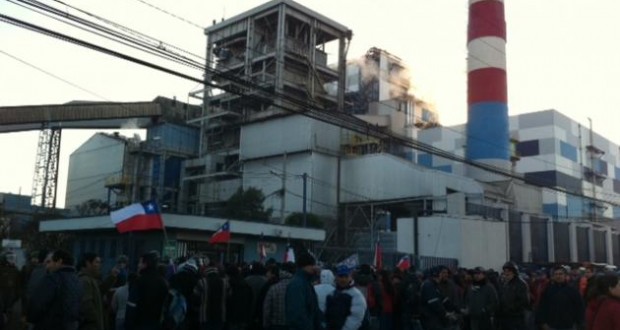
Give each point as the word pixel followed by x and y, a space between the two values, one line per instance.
pixel 603 314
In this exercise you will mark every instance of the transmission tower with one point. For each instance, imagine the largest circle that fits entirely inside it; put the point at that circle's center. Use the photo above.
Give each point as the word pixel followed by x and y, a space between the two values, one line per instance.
pixel 45 178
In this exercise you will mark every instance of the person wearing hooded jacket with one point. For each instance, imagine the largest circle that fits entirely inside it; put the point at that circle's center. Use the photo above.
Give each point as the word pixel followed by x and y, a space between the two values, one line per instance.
pixel 353 319
pixel 325 287
pixel 184 281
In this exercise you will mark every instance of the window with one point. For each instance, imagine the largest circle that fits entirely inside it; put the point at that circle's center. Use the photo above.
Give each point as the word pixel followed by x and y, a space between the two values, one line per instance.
pixel 528 148
pixel 568 151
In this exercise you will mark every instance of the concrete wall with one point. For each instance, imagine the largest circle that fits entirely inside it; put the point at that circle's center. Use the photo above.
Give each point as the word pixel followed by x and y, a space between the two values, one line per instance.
pixel 97 159
pixel 473 242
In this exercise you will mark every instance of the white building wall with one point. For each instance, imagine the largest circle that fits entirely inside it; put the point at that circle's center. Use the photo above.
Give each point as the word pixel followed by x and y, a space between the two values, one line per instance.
pixel 383 176
pixel 287 135
pixel 472 241
pixel 89 166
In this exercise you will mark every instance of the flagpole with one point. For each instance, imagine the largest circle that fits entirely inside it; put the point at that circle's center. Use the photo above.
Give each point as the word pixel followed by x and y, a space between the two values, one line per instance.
pixel 228 250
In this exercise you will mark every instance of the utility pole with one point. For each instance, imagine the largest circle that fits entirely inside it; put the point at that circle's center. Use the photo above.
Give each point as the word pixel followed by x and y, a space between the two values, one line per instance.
pixel 283 200
pixel 305 178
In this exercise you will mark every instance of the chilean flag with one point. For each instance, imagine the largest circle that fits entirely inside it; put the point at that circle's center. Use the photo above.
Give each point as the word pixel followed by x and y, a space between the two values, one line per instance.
pixel 222 235
pixel 262 252
pixel 289 255
pixel 378 259
pixel 404 263
pixel 138 216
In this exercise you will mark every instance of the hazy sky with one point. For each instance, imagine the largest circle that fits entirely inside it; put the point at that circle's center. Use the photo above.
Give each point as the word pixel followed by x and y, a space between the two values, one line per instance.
pixel 562 54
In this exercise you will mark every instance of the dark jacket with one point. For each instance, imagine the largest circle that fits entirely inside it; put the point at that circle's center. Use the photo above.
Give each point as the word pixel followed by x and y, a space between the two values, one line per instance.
pixel 91 307
pixel 481 300
pixel 513 298
pixel 239 305
pixel 146 301
pixel 56 304
pixel 433 314
pixel 10 285
pixel 561 306
pixel 302 304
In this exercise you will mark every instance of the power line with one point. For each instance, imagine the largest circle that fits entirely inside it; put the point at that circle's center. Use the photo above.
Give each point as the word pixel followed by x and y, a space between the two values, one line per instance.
pixel 331 117
pixel 171 14
pixel 52 75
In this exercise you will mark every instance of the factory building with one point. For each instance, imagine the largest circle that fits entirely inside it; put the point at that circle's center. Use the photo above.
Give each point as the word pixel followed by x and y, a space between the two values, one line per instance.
pixel 269 65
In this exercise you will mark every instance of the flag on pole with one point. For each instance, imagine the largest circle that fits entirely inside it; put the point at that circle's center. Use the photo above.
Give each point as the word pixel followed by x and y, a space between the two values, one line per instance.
pixel 351 262
pixel 289 256
pixel 404 263
pixel 261 249
pixel 136 217
pixel 378 260
pixel 222 235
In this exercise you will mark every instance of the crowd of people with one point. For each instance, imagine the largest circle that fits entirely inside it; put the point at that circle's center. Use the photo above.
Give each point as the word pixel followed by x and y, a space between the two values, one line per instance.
pixel 55 291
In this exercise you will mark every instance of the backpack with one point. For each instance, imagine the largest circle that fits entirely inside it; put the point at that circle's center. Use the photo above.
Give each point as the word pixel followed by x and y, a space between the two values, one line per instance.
pixel 337 309
pixel 175 310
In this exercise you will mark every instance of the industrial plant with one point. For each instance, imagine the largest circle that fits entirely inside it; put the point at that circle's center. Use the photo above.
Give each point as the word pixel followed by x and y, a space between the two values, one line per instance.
pixel 342 153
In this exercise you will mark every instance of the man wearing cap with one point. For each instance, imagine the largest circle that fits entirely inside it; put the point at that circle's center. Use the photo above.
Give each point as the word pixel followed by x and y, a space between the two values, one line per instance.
pixel 345 307
pixel 302 305
pixel 561 305
pixel 514 299
pixel 481 301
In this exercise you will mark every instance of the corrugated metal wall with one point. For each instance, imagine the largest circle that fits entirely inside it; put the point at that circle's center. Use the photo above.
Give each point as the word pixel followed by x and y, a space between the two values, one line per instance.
pixel 561 241
pixel 583 244
pixel 615 248
pixel 540 247
pixel 515 234
pixel 600 246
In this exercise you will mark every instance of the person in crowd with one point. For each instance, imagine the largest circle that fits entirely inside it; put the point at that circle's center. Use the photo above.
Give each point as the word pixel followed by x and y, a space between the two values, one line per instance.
pixel 212 291
pixel 10 289
pixel 256 280
pixel 274 305
pixel 561 305
pixel 118 304
pixel 433 313
pixel 381 299
pixel 147 296
pixel 91 307
pixel 410 300
pixel 325 287
pixel 586 282
pixel 184 282
pixel 302 305
pixel 56 304
pixel 481 301
pixel 238 309
pixel 273 276
pixel 513 299
pixel 604 311
pixel 345 307
pixel 453 301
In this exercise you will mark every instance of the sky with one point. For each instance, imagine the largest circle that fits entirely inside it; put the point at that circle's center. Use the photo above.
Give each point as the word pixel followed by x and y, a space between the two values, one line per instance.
pixel 561 54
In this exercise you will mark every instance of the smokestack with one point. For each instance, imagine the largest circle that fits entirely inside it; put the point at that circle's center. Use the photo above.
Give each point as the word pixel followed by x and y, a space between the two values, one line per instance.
pixel 487 96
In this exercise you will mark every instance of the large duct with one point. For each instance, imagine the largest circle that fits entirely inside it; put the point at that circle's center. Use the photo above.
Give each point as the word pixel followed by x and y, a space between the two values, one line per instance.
pixel 487 100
